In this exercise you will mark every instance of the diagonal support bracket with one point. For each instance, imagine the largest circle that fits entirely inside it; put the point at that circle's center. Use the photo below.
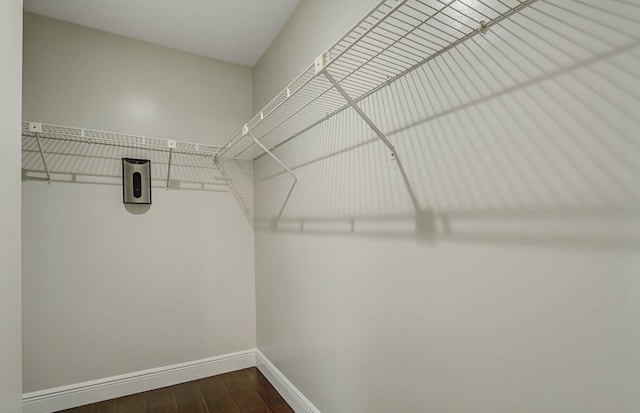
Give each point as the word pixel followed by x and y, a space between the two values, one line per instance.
pixel 285 167
pixel 360 112
pixel 169 168
pixel 275 158
pixel 36 127
pixel 374 127
pixel 44 160
pixel 171 145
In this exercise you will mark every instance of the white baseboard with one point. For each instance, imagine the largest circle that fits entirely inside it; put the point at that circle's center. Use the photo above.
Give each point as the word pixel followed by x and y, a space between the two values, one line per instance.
pixel 298 402
pixel 60 398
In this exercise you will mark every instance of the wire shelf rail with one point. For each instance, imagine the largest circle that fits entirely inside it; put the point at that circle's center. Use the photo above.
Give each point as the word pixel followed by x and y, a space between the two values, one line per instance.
pixel 41 131
pixel 68 133
pixel 392 40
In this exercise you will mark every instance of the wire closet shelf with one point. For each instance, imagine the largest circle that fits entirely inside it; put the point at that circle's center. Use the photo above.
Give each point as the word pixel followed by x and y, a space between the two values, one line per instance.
pixel 89 136
pixel 37 132
pixel 391 41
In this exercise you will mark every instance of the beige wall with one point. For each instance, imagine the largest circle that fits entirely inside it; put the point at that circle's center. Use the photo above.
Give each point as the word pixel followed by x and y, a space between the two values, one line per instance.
pixel 311 29
pixel 107 291
pixel 82 77
pixel 10 75
pixel 516 285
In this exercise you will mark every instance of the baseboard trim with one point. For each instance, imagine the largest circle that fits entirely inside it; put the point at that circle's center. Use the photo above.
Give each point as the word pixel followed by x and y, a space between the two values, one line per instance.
pixel 60 398
pixel 298 402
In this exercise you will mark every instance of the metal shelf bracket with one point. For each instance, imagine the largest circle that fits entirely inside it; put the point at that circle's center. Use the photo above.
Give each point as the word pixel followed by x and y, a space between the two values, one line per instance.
pixel 361 113
pixel 321 62
pixel 36 127
pixel 483 27
pixel 285 167
pixel 171 145
pixel 379 133
pixel 275 158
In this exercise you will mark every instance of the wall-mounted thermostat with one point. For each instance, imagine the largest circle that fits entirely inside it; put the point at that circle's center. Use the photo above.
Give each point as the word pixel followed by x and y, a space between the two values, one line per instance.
pixel 136 181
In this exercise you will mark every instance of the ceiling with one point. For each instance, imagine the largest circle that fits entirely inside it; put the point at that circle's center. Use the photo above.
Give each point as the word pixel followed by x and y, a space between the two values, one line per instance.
pixel 236 31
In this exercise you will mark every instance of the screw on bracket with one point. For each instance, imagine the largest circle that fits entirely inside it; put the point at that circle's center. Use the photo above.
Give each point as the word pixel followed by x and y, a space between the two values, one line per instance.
pixel 35 127
pixel 483 27
pixel 320 63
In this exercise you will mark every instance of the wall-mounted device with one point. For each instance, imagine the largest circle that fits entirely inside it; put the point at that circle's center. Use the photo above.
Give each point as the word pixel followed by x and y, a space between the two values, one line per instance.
pixel 136 181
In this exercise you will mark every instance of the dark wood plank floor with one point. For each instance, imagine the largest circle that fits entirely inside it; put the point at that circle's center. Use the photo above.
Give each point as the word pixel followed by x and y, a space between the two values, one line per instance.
pixel 243 391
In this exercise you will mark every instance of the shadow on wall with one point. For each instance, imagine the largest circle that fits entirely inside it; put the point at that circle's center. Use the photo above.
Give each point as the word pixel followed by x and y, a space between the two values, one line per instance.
pixel 96 164
pixel 527 134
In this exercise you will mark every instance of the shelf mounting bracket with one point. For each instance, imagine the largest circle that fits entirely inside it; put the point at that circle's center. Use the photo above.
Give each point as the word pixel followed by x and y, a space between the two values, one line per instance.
pixel 361 113
pixel 378 132
pixel 285 167
pixel 171 145
pixel 36 127
pixel 275 158
pixel 483 27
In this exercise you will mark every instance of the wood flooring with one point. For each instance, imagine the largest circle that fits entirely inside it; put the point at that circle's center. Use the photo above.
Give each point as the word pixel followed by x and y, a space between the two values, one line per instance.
pixel 243 391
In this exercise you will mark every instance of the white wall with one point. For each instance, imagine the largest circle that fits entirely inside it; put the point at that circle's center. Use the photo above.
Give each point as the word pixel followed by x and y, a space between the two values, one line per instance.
pixel 311 29
pixel 516 285
pixel 10 75
pixel 108 290
pixel 86 78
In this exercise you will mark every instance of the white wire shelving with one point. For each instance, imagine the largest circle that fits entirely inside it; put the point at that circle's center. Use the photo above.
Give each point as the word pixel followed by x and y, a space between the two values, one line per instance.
pixel 395 38
pixel 68 133
pixel 391 41
pixel 42 131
